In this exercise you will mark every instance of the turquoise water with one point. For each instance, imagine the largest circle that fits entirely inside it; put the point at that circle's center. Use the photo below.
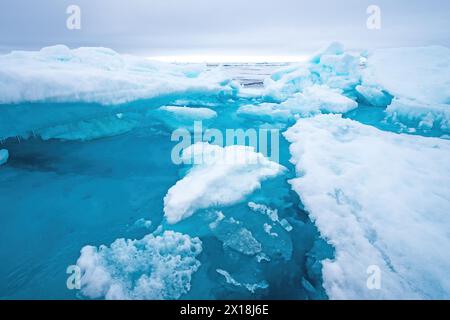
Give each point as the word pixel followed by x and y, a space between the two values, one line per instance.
pixel 57 196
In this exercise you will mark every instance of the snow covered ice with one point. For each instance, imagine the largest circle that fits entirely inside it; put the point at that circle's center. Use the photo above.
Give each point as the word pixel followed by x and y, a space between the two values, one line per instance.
pixel 380 199
pixel 222 176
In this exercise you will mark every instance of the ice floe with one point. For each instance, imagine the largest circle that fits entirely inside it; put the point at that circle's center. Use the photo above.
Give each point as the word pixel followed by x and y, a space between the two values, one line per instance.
pixel 220 176
pixel 382 200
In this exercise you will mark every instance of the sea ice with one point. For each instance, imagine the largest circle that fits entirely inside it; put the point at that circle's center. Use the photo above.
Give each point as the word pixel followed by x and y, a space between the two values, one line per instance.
pixel 382 200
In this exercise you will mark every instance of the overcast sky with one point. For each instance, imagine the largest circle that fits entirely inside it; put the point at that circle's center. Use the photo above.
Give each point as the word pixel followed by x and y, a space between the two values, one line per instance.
pixel 235 27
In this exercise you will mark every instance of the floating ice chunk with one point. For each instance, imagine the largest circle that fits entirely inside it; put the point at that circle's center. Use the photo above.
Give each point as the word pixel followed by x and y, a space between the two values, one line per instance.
pixel 156 267
pixel 190 113
pixel 286 225
pixel 252 287
pixel 268 229
pixel 220 176
pixel 262 257
pixel 142 223
pixel 4 155
pixel 271 213
pixel 99 75
pixel 215 223
pixel 381 199
pixel 243 241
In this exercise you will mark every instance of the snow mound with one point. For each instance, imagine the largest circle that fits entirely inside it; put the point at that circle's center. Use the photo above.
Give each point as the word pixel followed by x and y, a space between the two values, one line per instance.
pixel 381 199
pixel 220 176
pixel 154 268
pixel 4 155
pixel 99 75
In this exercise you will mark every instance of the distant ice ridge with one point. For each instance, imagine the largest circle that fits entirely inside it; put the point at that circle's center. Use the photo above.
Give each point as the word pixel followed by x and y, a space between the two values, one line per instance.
pixel 413 83
pixel 4 155
pixel 154 268
pixel 219 176
pixel 381 199
pixel 99 75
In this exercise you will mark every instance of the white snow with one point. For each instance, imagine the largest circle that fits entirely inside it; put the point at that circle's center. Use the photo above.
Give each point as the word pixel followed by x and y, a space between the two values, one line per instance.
pixel 220 176
pixel 98 75
pixel 4 155
pixel 381 199
pixel 154 268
